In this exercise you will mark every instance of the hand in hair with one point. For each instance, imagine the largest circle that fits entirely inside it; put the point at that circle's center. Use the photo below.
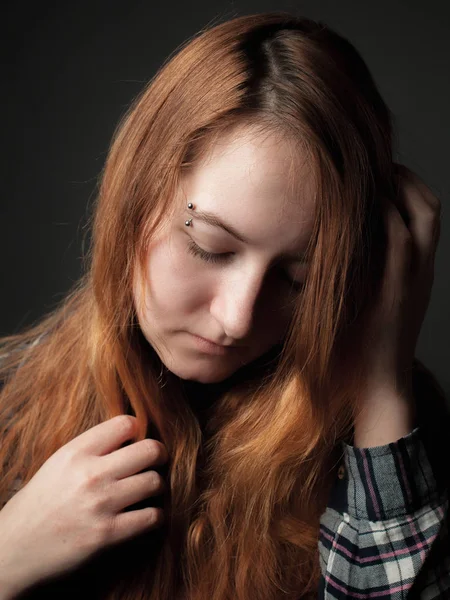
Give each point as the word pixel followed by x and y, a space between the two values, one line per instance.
pixel 391 327
pixel 72 506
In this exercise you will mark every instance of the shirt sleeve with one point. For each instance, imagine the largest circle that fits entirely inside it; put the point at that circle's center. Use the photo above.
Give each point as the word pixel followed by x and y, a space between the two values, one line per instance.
pixel 384 533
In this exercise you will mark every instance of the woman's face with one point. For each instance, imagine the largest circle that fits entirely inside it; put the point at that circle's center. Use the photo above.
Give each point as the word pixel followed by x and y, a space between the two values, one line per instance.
pixel 242 300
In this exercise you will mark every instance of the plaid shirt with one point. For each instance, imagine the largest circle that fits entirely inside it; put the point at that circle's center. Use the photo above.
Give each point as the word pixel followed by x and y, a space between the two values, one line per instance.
pixel 385 531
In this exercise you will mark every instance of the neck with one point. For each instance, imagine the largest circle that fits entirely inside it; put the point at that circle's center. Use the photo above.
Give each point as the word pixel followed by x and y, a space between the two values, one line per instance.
pixel 202 396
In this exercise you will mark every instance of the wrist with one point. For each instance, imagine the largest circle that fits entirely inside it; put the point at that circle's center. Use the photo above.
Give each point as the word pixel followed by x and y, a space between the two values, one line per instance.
pixel 9 589
pixel 12 584
pixel 385 414
pixel 15 576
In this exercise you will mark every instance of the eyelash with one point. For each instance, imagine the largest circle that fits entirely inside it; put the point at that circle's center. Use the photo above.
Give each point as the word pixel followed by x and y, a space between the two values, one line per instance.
pixel 211 257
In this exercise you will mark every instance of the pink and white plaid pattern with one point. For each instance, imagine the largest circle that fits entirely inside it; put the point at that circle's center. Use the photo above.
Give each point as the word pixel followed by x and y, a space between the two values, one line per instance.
pixel 385 534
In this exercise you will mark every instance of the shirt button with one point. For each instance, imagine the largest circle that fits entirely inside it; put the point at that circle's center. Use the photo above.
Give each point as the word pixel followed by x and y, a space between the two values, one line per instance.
pixel 341 472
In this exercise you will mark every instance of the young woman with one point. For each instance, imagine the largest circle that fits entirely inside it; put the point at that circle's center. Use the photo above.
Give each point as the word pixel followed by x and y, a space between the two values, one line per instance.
pixel 228 404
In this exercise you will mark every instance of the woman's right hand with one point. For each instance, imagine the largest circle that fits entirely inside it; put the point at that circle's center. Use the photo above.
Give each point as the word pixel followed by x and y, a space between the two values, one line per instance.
pixel 72 506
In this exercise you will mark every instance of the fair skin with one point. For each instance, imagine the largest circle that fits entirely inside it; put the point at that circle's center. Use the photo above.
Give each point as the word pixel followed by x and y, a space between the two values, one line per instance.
pixel 391 327
pixel 247 300
pixel 244 302
pixel 73 506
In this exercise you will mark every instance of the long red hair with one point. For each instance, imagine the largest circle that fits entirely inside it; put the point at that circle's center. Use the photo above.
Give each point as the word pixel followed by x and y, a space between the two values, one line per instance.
pixel 248 489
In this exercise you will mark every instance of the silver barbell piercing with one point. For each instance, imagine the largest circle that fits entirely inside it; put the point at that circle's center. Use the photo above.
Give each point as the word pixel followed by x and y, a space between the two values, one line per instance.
pixel 189 221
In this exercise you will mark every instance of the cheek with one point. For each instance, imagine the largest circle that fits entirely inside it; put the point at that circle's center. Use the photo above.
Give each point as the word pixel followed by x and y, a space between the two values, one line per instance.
pixel 173 280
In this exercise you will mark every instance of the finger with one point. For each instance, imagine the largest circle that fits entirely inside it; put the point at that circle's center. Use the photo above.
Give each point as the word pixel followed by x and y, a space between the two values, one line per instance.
pixel 429 196
pixel 136 489
pixel 421 219
pixel 105 437
pixel 135 522
pixel 134 458
pixel 399 247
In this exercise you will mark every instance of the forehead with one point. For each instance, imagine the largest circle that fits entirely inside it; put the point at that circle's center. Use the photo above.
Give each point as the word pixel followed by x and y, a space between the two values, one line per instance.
pixel 261 181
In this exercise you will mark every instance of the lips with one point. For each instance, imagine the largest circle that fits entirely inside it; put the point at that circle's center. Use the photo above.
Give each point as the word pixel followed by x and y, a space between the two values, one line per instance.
pixel 211 341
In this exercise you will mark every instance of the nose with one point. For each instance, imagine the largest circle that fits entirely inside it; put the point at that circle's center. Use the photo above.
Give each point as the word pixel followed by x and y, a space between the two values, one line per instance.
pixel 234 305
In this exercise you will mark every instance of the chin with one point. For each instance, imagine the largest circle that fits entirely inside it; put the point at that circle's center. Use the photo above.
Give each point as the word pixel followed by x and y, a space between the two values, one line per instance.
pixel 202 377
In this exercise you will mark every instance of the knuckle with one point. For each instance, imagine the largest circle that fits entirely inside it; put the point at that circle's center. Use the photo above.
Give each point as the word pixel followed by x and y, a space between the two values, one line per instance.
pixel 156 517
pixel 152 448
pixel 88 477
pixel 68 459
pixel 162 452
pixel 431 213
pixel 103 530
pixel 67 453
pixel 125 423
pixel 101 497
pixel 156 481
pixel 437 209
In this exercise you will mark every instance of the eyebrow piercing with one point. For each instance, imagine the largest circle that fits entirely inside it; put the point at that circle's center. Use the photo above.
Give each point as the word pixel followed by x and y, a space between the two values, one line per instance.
pixel 189 221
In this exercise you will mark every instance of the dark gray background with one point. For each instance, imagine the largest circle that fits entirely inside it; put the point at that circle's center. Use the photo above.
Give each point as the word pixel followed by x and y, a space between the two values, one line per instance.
pixel 73 68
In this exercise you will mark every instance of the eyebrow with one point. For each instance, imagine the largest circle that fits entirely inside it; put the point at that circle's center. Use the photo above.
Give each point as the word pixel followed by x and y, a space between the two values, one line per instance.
pixel 212 219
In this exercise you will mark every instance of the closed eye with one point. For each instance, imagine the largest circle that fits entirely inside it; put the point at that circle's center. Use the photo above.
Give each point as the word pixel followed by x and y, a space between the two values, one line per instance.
pixel 210 257
pixel 224 257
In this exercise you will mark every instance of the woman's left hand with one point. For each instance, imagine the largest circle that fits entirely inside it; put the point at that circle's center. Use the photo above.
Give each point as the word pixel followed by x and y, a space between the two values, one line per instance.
pixel 393 322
